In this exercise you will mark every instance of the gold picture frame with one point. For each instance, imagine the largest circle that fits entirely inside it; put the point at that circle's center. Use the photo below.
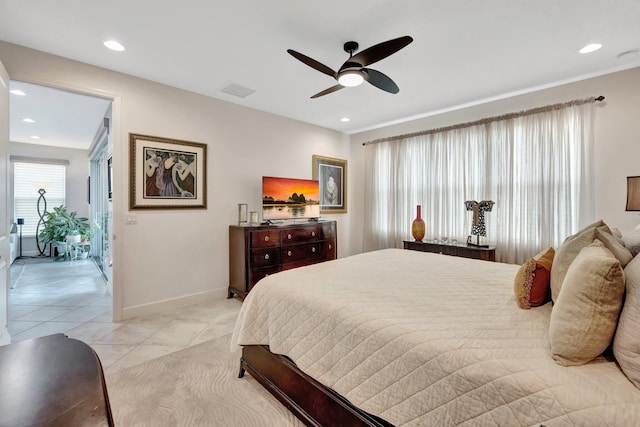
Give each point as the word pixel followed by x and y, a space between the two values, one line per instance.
pixel 166 173
pixel 331 173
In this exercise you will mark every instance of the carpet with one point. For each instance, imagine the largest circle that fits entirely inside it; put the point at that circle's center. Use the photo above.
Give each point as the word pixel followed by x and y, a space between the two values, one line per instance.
pixel 197 386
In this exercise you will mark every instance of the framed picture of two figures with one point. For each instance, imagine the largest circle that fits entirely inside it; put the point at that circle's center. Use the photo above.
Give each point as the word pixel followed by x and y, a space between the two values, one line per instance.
pixel 166 173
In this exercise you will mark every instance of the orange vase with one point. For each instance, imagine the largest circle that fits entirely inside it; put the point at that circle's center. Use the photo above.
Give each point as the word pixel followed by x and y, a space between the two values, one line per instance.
pixel 417 227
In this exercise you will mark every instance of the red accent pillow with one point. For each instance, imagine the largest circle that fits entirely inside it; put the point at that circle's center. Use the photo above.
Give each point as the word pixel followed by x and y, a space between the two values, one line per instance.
pixel 531 284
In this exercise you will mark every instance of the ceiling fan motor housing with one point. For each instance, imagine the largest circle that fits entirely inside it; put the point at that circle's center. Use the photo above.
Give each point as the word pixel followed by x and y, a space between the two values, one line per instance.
pixel 351 47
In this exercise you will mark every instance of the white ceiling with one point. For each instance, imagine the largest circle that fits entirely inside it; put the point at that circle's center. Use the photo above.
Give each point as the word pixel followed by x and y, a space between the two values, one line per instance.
pixel 464 51
pixel 61 118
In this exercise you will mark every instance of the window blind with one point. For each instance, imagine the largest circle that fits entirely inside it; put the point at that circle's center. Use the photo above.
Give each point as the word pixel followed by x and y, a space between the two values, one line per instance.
pixel 28 178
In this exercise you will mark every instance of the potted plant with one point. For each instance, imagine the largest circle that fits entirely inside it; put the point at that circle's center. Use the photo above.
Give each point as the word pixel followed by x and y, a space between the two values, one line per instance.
pixel 85 241
pixel 89 233
pixel 62 228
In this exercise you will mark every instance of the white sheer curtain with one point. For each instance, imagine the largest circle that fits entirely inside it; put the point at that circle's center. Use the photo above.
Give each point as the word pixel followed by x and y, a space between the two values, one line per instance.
pixel 538 168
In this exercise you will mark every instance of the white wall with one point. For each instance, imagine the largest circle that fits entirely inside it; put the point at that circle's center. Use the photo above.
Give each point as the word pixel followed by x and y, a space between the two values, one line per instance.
pixel 76 183
pixel 174 257
pixel 617 149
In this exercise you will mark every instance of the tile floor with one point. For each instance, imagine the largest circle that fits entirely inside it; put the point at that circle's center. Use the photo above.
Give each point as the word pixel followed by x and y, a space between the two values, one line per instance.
pixel 70 297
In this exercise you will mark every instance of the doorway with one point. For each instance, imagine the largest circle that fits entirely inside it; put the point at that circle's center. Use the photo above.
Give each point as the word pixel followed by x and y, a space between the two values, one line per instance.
pixel 88 193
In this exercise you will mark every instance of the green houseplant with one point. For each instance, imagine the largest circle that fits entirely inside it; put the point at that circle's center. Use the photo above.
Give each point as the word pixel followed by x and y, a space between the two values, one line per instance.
pixel 61 227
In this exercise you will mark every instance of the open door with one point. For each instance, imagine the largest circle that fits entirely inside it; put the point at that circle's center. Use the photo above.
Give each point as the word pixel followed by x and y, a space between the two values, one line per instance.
pixel 5 262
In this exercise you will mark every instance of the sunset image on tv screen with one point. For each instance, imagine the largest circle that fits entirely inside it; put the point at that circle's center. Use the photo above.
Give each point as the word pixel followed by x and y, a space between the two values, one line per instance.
pixel 284 198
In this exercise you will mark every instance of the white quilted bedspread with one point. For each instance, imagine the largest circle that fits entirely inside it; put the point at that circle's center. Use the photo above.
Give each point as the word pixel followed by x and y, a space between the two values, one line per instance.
pixel 426 339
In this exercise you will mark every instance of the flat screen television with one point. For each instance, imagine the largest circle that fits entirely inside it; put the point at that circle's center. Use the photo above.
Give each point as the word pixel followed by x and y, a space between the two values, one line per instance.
pixel 290 198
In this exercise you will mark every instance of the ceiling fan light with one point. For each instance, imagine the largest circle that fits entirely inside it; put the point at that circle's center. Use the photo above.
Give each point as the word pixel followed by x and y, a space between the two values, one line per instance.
pixel 351 78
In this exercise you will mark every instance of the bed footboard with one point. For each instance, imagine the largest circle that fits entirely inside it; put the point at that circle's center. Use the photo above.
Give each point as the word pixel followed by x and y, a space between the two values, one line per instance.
pixel 306 398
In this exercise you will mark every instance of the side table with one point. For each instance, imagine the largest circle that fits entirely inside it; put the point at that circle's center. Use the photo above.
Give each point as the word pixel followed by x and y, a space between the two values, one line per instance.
pixel 52 381
pixel 465 251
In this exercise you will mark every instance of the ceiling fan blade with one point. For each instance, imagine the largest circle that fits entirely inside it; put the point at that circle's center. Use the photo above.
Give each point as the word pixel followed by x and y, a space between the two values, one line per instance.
pixel 380 80
pixel 312 63
pixel 328 91
pixel 380 51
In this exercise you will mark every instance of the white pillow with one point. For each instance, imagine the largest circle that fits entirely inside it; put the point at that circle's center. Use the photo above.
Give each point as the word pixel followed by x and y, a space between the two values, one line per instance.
pixel 626 344
pixel 632 241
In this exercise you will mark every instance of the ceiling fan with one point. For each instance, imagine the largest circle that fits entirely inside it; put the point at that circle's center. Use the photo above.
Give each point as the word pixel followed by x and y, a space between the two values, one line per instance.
pixel 353 72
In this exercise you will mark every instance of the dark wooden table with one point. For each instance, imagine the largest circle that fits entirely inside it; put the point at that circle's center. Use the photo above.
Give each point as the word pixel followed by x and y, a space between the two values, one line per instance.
pixel 52 381
pixel 466 251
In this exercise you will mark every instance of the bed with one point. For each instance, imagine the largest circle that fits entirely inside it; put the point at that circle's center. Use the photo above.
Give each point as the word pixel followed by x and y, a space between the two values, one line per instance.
pixel 414 339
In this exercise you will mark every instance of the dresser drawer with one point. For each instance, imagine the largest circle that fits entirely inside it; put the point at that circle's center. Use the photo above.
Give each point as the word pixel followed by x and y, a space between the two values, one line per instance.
pixel 327 232
pixel 328 250
pixel 265 238
pixel 257 274
pixel 302 234
pixel 265 257
pixel 301 263
pixel 300 252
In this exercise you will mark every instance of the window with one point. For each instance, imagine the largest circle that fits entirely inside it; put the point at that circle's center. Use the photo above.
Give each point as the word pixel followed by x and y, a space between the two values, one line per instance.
pixel 28 178
pixel 536 167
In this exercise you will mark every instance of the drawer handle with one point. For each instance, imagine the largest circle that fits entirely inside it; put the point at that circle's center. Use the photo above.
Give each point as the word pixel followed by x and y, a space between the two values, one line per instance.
pixel 266 256
pixel 329 245
pixel 313 234
pixel 289 253
pixel 289 236
pixel 266 238
pixel 313 249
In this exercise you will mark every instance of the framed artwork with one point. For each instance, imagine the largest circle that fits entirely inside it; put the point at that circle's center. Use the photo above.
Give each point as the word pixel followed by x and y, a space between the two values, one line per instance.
pixel 166 173
pixel 332 175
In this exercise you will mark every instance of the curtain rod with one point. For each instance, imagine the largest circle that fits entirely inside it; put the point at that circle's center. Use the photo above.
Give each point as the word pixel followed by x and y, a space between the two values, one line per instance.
pixel 490 119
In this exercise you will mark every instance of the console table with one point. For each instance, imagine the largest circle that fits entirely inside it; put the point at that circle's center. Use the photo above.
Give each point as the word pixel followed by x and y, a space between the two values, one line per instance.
pixel 257 251
pixel 52 381
pixel 465 251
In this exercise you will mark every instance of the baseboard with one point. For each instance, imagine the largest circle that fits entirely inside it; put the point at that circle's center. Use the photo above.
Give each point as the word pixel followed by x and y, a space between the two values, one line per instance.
pixel 173 303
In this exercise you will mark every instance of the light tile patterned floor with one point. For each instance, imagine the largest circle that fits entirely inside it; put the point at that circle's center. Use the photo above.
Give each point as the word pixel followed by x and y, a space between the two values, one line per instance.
pixel 70 297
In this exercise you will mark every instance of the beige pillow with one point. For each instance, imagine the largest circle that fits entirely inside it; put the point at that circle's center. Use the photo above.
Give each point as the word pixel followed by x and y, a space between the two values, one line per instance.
pixel 584 318
pixel 531 284
pixel 568 251
pixel 616 246
pixel 626 345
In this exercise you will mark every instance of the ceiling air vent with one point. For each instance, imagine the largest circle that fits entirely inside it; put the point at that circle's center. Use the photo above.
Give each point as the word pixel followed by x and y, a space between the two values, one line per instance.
pixel 237 90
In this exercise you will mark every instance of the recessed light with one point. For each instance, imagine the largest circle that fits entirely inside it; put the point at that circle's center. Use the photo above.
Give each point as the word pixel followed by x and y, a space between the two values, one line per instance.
pixel 17 92
pixel 590 48
pixel 345 119
pixel 35 137
pixel 114 45
pixel 28 120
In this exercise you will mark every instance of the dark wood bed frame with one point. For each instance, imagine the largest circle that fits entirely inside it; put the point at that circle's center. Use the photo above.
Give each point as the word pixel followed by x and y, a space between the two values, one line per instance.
pixel 310 401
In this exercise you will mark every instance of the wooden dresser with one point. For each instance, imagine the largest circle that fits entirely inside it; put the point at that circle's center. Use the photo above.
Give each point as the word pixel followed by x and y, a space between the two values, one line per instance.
pixel 465 251
pixel 257 251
